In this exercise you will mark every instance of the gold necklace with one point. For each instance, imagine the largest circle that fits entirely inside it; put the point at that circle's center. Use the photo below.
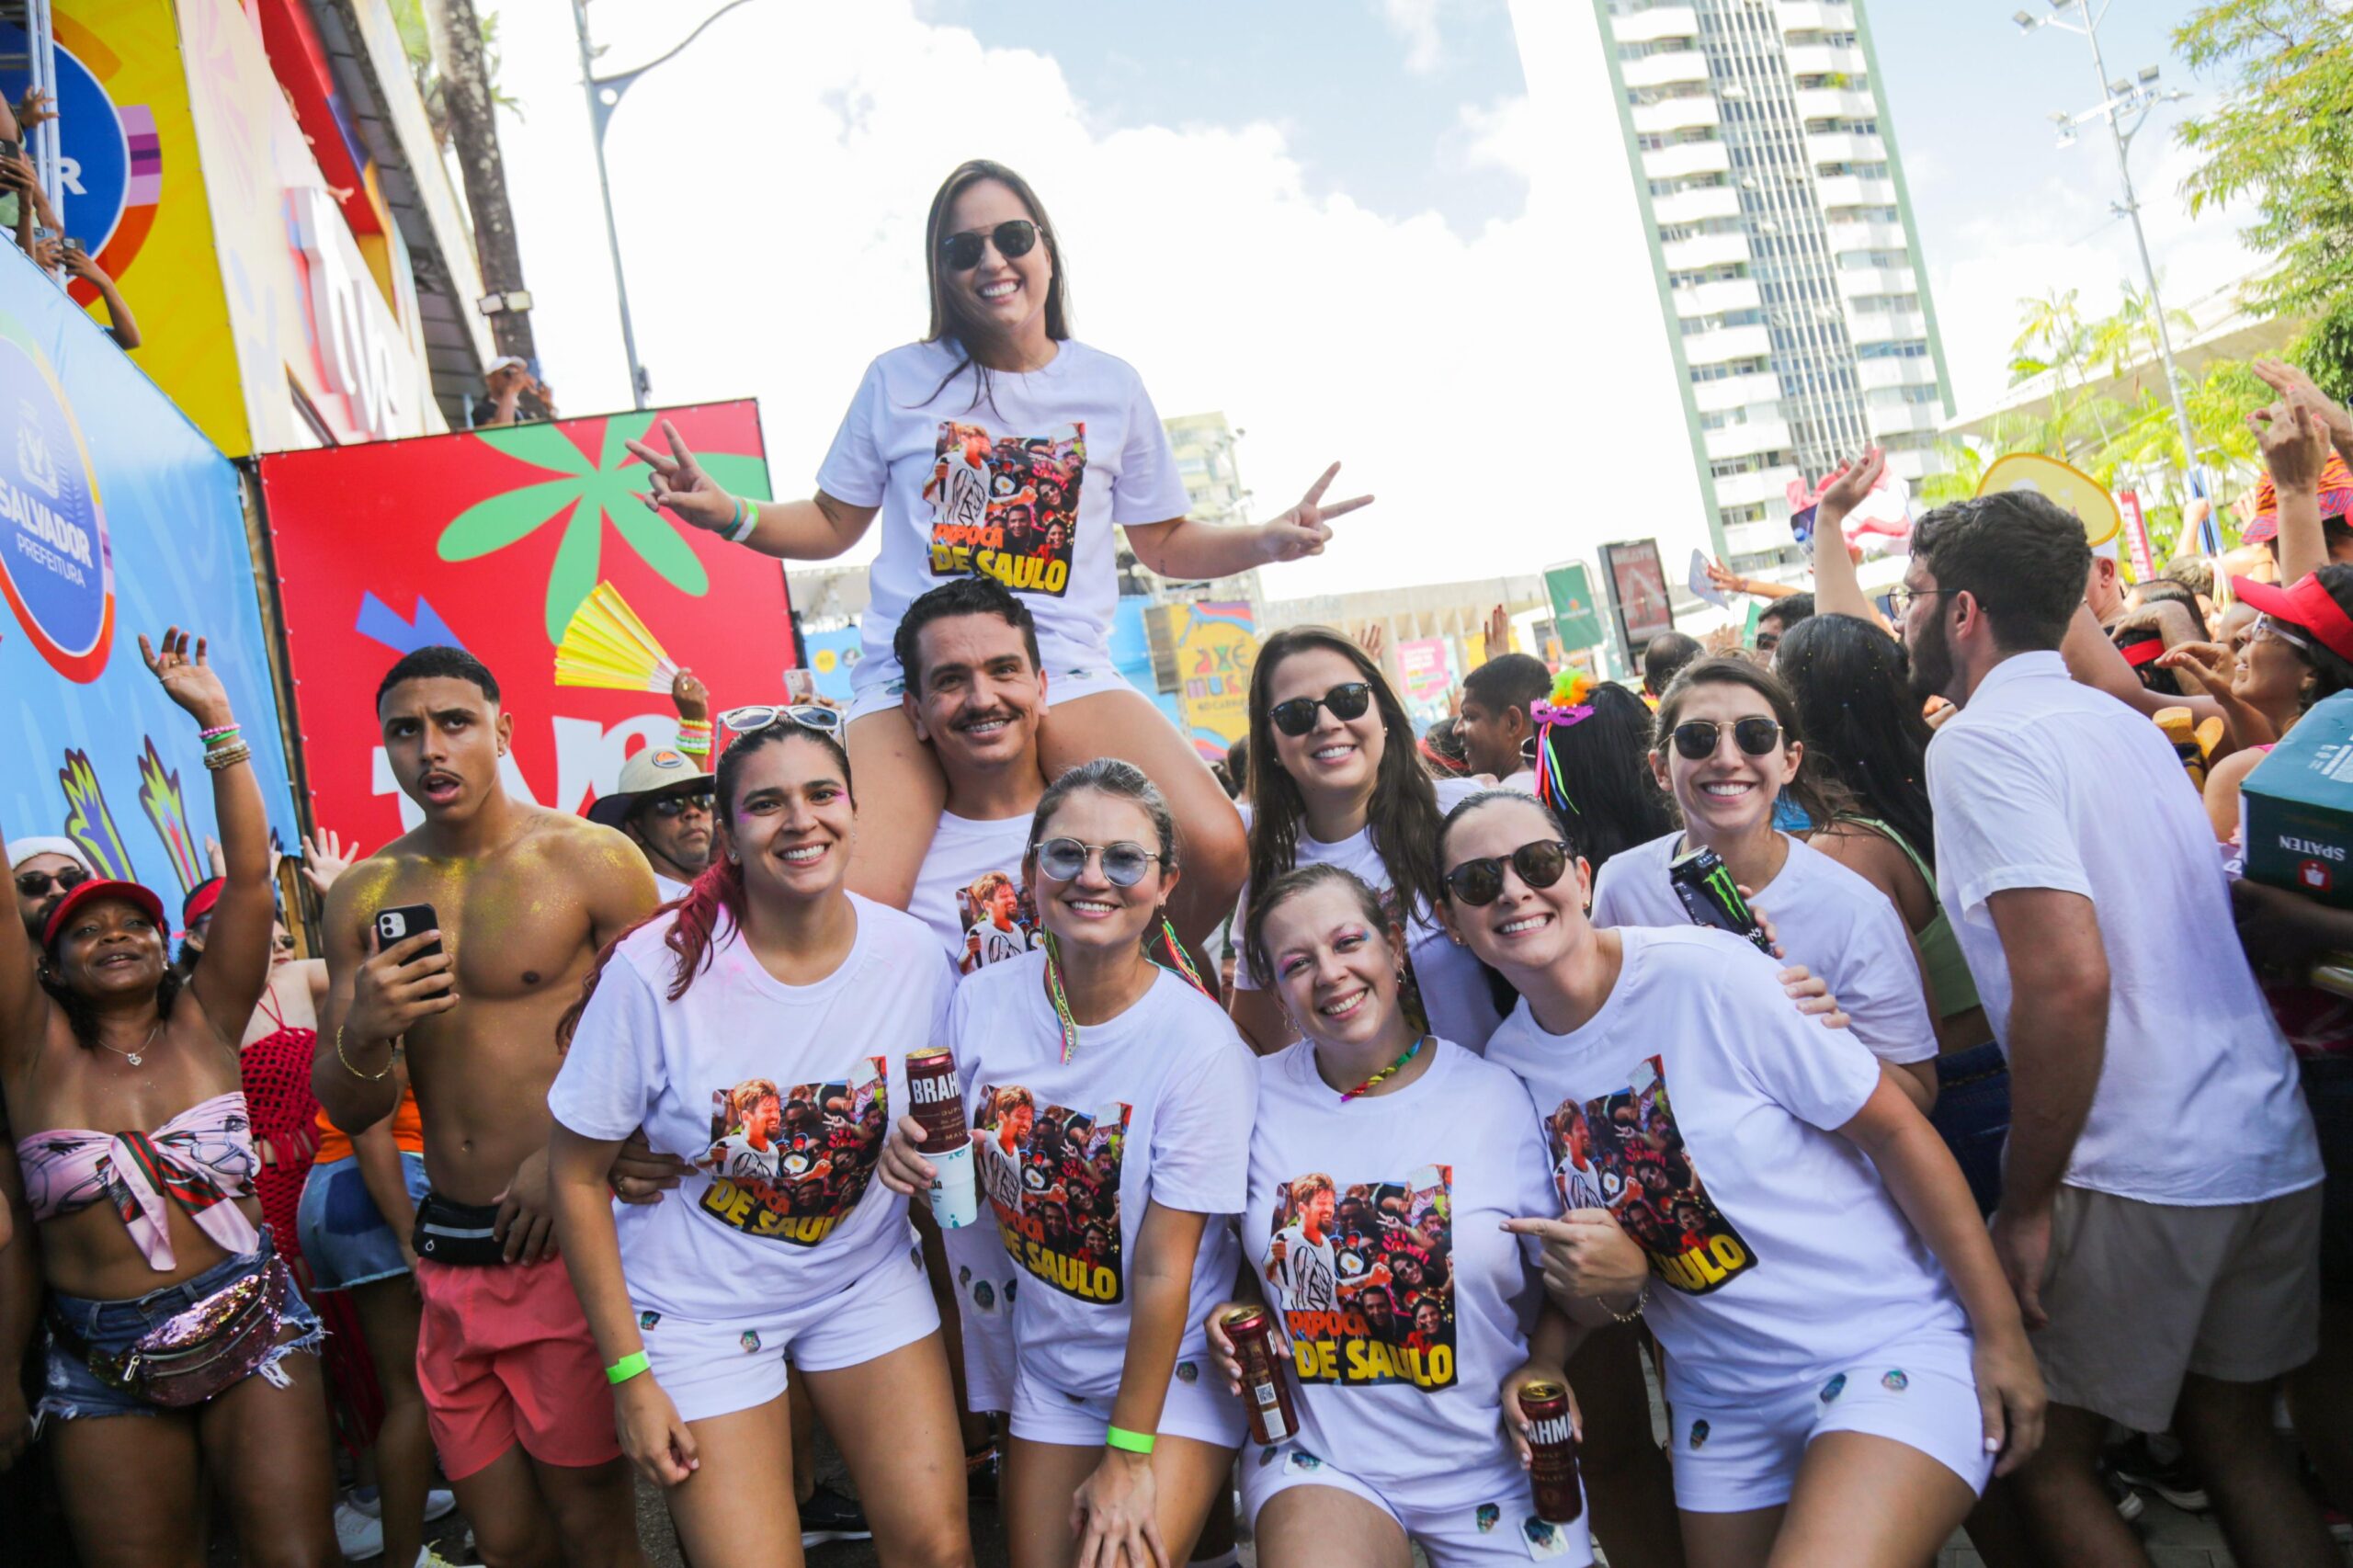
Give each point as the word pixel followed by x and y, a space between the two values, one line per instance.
pixel 136 1058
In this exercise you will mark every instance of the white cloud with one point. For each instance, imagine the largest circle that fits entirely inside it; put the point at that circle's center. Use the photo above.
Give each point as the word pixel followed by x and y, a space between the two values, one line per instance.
pixel 1507 396
pixel 1503 136
pixel 1416 22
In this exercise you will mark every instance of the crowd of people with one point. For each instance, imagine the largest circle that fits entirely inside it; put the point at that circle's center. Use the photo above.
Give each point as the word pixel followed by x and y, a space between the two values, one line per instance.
pixel 31 218
pixel 600 1137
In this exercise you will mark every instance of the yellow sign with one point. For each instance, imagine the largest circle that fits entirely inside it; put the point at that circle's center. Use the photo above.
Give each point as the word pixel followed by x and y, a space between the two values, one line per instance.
pixel 1216 647
pixel 2070 488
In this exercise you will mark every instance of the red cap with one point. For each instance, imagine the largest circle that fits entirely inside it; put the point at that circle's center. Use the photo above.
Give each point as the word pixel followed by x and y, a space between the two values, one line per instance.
pixel 2142 651
pixel 199 901
pixel 2335 498
pixel 2305 605
pixel 92 891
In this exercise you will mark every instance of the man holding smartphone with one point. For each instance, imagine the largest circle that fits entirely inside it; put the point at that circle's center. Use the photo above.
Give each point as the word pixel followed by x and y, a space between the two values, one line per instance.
pixel 503 908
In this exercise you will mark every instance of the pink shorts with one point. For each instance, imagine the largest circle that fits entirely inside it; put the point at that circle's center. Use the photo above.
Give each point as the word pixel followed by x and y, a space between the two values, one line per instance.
pixel 504 1356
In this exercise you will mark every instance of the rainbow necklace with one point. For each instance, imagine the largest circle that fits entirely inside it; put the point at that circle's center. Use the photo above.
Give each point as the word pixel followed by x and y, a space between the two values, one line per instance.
pixel 1378 1078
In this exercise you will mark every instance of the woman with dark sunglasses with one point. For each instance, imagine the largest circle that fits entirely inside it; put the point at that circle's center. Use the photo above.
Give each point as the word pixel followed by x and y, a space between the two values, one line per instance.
pixel 1000 417
pixel 1110 1108
pixel 1845 1360
pixel 1336 779
pixel 1728 748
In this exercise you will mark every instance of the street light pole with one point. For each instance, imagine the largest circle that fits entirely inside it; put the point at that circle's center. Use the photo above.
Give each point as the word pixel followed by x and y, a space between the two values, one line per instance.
pixel 605 96
pixel 2117 99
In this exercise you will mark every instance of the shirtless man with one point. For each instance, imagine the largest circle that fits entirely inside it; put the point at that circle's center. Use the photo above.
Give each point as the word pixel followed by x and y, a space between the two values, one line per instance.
pixel 523 899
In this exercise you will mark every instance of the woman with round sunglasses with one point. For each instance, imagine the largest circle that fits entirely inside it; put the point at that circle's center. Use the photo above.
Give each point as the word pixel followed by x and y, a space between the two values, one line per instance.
pixel 179 1351
pixel 760 1029
pixel 1845 1360
pixel 1386 1159
pixel 998 417
pixel 1111 1107
pixel 1728 748
pixel 1336 779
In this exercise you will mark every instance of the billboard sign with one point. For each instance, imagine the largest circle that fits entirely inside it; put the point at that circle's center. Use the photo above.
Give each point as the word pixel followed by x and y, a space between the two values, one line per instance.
pixel 1636 579
pixel 1576 620
pixel 528 547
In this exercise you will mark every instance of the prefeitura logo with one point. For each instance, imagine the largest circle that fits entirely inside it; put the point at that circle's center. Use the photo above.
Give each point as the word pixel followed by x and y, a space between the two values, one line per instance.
pixel 55 565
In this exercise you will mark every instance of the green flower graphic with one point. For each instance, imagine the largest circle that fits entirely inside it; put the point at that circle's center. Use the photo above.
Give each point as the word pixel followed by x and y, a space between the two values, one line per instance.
pixel 584 499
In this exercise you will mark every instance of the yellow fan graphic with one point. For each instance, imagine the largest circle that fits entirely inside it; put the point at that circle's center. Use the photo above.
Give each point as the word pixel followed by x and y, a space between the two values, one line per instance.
pixel 605 645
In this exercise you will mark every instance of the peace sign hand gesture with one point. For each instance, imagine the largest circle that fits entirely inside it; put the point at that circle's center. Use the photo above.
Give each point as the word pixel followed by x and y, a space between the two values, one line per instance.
pixel 189 679
pixel 1302 530
pixel 680 484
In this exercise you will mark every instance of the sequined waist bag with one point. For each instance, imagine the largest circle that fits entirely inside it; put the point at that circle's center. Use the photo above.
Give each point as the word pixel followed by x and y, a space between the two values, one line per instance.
pixel 197 1352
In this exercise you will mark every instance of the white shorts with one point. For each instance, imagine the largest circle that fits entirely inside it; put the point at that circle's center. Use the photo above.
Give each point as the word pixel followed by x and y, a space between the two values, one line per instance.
pixel 986 1279
pixel 717 1368
pixel 1502 1529
pixel 1920 1391
pixel 1199 1406
pixel 880 690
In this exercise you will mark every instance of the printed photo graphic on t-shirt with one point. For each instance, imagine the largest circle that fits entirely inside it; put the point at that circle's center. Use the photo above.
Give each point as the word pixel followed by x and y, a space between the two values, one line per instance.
pixel 1364 1277
pixel 1007 507
pixel 788 1164
pixel 999 918
pixel 1052 1176
pixel 1623 1152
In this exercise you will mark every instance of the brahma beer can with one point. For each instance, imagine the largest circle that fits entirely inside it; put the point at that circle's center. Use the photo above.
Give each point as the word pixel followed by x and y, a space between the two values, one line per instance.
pixel 939 1102
pixel 1553 1472
pixel 1266 1392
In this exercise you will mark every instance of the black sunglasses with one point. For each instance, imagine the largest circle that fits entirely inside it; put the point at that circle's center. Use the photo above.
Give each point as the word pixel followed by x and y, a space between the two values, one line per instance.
pixel 1014 238
pixel 1124 863
pixel 1696 738
pixel 36 884
pixel 669 806
pixel 1346 701
pixel 1540 863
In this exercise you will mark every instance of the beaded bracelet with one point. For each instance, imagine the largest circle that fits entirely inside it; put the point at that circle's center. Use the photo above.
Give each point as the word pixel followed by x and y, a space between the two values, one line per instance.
pixel 229 756
pixel 221 740
pixel 207 735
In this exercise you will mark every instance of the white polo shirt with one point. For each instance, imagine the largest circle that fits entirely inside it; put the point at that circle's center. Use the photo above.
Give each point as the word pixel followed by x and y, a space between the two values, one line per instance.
pixel 2042 783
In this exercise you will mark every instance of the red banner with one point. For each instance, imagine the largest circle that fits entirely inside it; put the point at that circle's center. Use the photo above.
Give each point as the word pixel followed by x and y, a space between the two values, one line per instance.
pixel 2136 535
pixel 525 546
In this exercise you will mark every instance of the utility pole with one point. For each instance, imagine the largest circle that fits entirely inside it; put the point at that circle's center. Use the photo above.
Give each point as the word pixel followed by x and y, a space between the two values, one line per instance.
pixel 473 127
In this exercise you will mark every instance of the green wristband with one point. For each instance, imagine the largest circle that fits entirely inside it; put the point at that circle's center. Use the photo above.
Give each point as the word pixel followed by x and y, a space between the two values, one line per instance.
pixel 1128 1442
pixel 626 1368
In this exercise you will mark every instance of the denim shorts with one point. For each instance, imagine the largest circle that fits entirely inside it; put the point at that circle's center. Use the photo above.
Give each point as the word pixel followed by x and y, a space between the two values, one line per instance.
pixel 344 1240
pixel 1972 1115
pixel 74 1393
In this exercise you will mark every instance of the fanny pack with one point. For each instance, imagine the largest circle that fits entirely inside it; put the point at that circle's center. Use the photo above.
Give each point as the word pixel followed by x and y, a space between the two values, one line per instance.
pixel 198 1352
pixel 461 1235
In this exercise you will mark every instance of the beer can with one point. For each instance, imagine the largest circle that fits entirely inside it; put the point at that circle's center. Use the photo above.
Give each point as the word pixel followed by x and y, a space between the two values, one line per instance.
pixel 1703 882
pixel 938 1102
pixel 1553 1472
pixel 1266 1392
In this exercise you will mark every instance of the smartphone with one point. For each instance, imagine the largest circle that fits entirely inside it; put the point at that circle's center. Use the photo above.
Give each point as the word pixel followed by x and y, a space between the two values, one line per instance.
pixel 399 925
pixel 73 246
pixel 800 684
pixel 11 149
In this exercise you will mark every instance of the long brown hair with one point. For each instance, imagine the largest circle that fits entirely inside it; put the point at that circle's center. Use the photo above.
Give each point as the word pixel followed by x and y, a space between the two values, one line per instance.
pixel 721 885
pixel 953 319
pixel 1402 814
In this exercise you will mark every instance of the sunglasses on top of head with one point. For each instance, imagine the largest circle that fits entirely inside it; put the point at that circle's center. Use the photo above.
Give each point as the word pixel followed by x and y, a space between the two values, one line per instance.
pixel 1297 717
pixel 36 884
pixel 1696 738
pixel 1539 863
pixel 1124 863
pixel 751 721
pixel 1014 239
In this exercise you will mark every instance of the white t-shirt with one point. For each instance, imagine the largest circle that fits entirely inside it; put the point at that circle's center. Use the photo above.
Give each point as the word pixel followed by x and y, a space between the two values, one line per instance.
pixel 1153 1106
pixel 778 1094
pixel 1776 1249
pixel 969 891
pixel 1455 997
pixel 670 888
pixel 1023 485
pixel 1827 917
pixel 2043 783
pixel 1409 1301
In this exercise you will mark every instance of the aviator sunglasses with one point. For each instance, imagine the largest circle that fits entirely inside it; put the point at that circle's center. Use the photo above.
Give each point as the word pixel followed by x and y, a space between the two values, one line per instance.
pixel 1540 863
pixel 36 884
pixel 1124 863
pixel 1346 701
pixel 1014 238
pixel 1696 738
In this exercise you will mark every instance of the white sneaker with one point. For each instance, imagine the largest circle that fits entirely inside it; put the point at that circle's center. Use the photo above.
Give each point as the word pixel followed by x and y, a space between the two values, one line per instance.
pixel 438 1502
pixel 357 1533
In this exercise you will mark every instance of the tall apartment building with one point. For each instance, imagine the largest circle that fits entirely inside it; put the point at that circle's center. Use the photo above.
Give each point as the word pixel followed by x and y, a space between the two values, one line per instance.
pixel 1788 264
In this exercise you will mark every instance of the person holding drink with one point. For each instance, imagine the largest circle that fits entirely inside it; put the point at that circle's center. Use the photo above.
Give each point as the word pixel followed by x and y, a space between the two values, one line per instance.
pixel 1377 1143
pixel 760 1030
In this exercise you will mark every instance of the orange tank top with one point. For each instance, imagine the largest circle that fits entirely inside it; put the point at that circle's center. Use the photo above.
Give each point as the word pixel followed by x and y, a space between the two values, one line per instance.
pixel 408 1131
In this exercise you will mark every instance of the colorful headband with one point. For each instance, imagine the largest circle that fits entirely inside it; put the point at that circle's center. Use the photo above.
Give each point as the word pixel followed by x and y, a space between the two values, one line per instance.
pixel 1570 690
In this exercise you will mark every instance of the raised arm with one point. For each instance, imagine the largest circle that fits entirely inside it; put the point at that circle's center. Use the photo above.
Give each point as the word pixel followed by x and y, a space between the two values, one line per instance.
pixel 2093 661
pixel 373 999
pixel 122 324
pixel 2295 387
pixel 1189 549
pixel 2294 440
pixel 229 983
pixel 815 529
pixel 1837 590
